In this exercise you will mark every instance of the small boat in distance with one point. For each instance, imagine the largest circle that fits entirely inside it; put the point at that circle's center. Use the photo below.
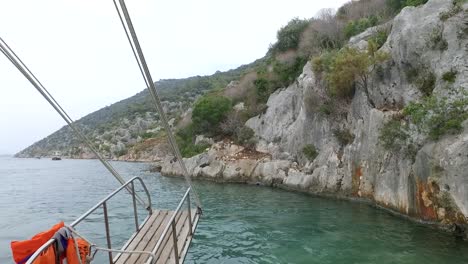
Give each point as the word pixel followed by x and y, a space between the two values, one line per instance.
pixel 57 155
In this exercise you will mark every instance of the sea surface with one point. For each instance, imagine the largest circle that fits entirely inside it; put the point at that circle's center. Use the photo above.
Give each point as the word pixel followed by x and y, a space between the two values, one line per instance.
pixel 241 223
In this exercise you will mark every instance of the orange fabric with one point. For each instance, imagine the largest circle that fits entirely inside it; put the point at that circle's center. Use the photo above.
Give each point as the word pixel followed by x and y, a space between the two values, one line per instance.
pixel 47 257
pixel 83 248
pixel 23 249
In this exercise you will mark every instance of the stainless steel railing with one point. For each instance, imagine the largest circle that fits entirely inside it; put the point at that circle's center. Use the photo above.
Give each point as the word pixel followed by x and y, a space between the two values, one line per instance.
pixel 103 203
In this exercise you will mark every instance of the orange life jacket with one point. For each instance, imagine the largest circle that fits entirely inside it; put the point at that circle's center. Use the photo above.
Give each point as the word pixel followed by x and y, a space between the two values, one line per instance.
pixel 83 250
pixel 22 250
pixel 46 257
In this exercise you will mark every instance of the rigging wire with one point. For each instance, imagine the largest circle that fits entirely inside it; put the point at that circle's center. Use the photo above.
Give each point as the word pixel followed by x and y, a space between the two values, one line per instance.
pixel 138 54
pixel 18 63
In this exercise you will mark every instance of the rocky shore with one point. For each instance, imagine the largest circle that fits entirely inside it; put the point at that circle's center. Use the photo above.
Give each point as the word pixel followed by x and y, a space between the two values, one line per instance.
pixel 424 179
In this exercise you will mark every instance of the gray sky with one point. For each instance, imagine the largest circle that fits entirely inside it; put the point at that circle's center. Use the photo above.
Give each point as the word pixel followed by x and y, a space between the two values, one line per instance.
pixel 79 51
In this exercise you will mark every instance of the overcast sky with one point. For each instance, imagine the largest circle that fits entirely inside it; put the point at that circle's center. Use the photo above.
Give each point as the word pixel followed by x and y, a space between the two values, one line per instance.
pixel 79 51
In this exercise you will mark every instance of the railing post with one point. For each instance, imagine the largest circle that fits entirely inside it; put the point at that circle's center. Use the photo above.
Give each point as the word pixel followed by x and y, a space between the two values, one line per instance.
pixel 189 214
pixel 106 221
pixel 174 236
pixel 134 207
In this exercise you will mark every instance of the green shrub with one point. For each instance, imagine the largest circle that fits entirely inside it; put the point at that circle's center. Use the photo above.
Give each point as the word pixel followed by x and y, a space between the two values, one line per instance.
pixel 287 73
pixel 380 38
pixel 107 137
pixel 351 67
pixel 455 9
pixel 310 152
pixel 289 36
pixel 355 27
pixel 396 5
pixel 262 88
pixel 343 136
pixel 192 150
pixel 208 112
pixel 415 2
pixel 323 62
pixel 326 109
pixel 380 72
pixel 245 137
pixel 147 135
pixel 105 147
pixel 462 32
pixel 423 78
pixel 426 82
pixel 347 68
pixel 120 152
pixel 256 109
pixel 411 151
pixel 234 120
pixel 282 75
pixel 437 40
pixel 393 135
pixel 450 76
pixel 186 140
pixel 438 117
pixel 412 73
pixel 348 64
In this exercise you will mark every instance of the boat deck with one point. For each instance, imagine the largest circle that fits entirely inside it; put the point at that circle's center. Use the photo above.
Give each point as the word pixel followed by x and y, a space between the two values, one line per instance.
pixel 152 237
pixel 163 237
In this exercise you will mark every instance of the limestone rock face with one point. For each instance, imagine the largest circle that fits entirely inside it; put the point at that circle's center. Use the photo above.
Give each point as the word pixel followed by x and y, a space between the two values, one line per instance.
pixel 433 186
pixel 200 139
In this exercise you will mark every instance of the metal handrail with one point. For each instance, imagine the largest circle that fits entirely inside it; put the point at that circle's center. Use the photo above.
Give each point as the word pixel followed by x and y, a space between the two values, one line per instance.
pixel 172 224
pixel 104 205
pixel 148 206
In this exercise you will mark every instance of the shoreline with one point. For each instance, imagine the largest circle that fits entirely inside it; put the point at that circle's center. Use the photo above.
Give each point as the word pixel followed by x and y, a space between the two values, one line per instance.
pixel 68 158
pixel 458 231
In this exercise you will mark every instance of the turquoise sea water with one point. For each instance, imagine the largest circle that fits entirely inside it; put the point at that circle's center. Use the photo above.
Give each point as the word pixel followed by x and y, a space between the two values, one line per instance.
pixel 241 224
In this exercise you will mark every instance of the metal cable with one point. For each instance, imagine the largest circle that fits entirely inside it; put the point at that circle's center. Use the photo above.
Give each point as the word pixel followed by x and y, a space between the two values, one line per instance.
pixel 136 48
pixel 18 63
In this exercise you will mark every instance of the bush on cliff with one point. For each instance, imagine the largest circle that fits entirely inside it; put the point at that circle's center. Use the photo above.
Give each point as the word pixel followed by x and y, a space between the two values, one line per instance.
pixel 245 137
pixel 397 5
pixel 289 35
pixel 438 116
pixel 310 152
pixel 186 140
pixel 344 136
pixel 208 112
pixel 355 27
pixel 348 68
pixel 432 118
pixel 288 72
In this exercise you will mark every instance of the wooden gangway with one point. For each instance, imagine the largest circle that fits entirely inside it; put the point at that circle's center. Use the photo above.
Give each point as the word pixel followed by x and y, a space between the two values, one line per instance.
pixel 172 249
pixel 164 236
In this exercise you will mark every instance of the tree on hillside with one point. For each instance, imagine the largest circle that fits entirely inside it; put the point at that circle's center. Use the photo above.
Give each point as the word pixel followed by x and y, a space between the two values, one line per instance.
pixel 325 32
pixel 208 112
pixel 349 68
pixel 290 35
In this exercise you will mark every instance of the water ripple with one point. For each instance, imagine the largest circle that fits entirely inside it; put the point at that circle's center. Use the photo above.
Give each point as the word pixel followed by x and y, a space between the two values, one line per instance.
pixel 241 224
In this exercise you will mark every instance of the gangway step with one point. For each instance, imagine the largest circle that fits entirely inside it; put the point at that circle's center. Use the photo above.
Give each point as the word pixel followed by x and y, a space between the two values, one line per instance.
pixel 151 232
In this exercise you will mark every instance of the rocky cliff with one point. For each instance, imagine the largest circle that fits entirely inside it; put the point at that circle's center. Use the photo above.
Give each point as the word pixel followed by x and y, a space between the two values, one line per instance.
pixel 425 176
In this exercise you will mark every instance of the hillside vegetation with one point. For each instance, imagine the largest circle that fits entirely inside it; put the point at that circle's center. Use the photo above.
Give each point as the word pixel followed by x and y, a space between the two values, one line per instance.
pixel 129 125
pixel 321 40
pixel 368 102
pixel 224 101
